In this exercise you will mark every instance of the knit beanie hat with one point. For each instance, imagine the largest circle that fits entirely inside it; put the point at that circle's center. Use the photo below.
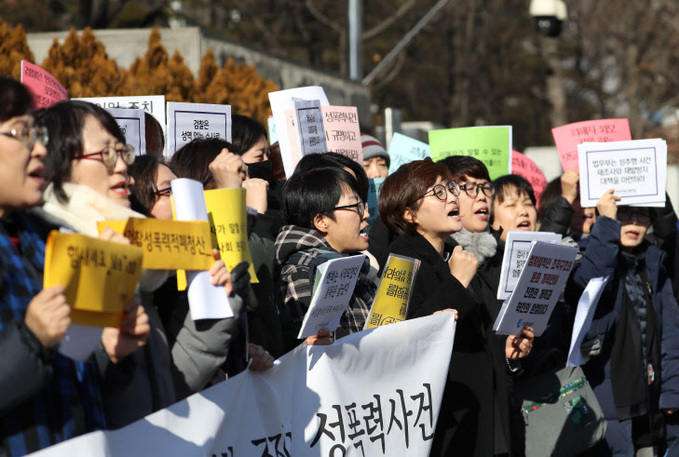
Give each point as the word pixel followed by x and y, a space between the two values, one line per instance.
pixel 373 148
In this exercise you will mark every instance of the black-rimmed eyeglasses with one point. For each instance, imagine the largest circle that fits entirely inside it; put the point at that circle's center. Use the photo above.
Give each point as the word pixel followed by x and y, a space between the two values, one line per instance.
pixel 440 191
pixel 359 208
pixel 472 189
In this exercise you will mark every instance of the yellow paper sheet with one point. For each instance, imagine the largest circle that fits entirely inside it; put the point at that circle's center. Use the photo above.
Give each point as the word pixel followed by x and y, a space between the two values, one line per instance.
pixel 99 276
pixel 228 220
pixel 168 245
pixel 391 301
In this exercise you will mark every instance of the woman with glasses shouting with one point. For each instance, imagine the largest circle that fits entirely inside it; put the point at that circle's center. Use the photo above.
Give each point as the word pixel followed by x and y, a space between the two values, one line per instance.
pixel 421 203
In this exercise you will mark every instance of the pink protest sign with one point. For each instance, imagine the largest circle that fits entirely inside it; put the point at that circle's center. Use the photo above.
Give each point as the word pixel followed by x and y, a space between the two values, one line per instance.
pixel 342 132
pixel 523 166
pixel 569 136
pixel 45 88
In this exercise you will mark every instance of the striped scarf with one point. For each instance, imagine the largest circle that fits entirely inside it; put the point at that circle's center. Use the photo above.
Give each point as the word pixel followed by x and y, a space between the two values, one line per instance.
pixel 69 403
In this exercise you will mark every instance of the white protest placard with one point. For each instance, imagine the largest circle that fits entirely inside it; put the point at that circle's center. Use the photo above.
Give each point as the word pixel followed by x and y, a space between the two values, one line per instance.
pixel 404 149
pixel 537 291
pixel 381 400
pixel 206 300
pixel 310 133
pixel 152 104
pixel 516 254
pixel 133 125
pixel 273 136
pixel 636 169
pixel 333 288
pixel 583 319
pixel 280 102
pixel 187 121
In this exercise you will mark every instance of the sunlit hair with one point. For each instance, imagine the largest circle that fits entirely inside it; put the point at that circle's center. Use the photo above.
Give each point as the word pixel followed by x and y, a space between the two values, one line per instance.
pixel 245 133
pixel 193 160
pixel 332 159
pixel 466 166
pixel 402 189
pixel 308 193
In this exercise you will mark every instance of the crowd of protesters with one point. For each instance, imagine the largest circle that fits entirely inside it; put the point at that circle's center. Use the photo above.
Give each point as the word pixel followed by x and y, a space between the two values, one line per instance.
pixel 68 166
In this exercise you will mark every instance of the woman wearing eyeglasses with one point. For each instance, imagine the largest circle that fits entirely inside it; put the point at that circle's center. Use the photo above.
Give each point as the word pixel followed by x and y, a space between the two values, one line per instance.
pixel 45 397
pixel 324 218
pixel 87 172
pixel 420 203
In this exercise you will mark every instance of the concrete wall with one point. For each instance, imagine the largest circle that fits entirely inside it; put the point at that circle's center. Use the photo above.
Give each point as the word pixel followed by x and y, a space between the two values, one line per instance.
pixel 125 45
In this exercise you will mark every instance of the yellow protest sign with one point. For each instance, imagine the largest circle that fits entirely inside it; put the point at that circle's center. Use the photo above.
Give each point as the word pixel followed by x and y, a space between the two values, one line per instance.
pixel 168 245
pixel 99 276
pixel 228 220
pixel 391 301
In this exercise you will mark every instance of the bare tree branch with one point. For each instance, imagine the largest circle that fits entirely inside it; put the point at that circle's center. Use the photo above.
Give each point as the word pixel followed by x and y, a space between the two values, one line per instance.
pixel 323 19
pixel 385 24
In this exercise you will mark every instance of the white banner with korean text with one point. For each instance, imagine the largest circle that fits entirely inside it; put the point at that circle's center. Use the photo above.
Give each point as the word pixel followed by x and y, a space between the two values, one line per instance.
pixel 374 393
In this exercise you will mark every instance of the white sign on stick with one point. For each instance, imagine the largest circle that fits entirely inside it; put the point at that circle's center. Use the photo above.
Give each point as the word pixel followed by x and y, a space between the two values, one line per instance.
pixel 516 254
pixel 537 291
pixel 636 169
pixel 187 121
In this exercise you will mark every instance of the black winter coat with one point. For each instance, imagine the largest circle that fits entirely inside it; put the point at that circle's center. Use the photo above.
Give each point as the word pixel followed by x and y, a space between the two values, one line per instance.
pixel 466 423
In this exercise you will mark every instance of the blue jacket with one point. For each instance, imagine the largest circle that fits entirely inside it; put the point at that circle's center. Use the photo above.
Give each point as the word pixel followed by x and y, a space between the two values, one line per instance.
pixel 601 259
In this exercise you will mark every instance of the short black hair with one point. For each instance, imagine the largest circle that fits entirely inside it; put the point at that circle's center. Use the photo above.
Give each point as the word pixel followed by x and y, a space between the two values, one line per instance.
pixel 461 166
pixel 245 133
pixel 333 159
pixel 504 183
pixel 193 159
pixel 314 191
pixel 65 122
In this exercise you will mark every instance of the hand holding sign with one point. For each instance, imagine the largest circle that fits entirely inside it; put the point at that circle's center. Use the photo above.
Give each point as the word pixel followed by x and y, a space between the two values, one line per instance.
pixel 132 334
pixel 48 316
pixel 607 204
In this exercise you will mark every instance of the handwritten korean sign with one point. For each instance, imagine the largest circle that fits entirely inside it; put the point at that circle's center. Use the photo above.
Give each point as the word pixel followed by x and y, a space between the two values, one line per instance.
pixel 342 131
pixel 45 88
pixel 168 245
pixel 228 222
pixel 567 137
pixel 99 276
pixel 524 166
pixel 391 301
pixel 492 145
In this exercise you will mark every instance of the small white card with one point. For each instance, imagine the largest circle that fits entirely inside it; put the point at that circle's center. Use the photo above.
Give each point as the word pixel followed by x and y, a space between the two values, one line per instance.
pixel 187 121
pixel 206 300
pixel 583 319
pixel 537 291
pixel 636 169
pixel 516 253
pixel 333 288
